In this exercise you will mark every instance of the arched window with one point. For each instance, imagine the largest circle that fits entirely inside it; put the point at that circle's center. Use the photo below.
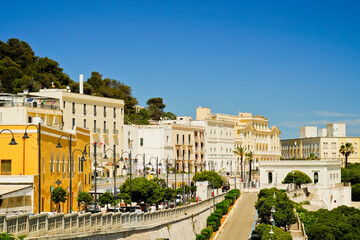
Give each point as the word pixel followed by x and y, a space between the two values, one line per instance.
pixel 270 177
pixel 316 177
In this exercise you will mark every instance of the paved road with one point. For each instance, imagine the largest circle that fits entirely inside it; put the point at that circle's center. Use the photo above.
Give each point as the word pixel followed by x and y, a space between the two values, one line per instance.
pixel 239 225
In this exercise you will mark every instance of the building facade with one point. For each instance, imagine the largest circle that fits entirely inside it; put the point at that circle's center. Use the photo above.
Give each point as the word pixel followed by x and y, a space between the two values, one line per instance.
pixel 22 160
pixel 104 117
pixel 252 133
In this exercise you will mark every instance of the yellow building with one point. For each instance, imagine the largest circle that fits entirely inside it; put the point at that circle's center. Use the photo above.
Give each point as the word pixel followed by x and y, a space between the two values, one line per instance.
pixel 22 159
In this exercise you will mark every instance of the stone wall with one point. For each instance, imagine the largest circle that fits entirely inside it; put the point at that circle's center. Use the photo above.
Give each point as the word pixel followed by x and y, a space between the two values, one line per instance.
pixel 177 223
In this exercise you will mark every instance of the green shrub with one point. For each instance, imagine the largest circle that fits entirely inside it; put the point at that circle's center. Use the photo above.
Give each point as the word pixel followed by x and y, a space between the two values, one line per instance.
pixel 215 219
pixel 214 226
pixel 236 192
pixel 207 232
pixel 201 237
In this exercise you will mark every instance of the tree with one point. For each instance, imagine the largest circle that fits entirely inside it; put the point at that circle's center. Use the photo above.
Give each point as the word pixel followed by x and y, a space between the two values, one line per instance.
pixel 58 195
pixel 84 198
pixel 297 177
pixel 249 156
pixel 355 192
pixel 157 102
pixel 240 151
pixel 209 176
pixel 106 198
pixel 264 229
pixel 346 150
pixel 284 215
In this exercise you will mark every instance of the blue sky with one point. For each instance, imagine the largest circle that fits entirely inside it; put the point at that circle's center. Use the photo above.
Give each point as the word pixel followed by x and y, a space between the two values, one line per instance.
pixel 294 62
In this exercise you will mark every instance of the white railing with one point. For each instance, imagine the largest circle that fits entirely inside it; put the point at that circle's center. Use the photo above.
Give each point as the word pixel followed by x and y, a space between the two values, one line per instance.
pixel 49 225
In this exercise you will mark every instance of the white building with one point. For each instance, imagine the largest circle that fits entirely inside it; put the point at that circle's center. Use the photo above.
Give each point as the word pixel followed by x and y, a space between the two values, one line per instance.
pixel 308 131
pixel 327 189
pixel 152 141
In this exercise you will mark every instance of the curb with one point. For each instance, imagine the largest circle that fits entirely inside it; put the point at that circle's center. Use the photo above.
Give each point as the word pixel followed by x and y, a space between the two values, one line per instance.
pixel 227 219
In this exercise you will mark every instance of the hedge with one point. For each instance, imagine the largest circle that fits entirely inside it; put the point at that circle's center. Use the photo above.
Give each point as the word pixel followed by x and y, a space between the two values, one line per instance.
pixel 213 222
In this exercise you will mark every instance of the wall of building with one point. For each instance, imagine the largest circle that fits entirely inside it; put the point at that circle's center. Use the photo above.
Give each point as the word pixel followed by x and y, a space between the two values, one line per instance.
pixel 55 165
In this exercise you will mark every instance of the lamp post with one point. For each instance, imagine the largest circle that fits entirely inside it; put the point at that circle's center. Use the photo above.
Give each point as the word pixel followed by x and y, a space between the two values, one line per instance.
pixel 167 169
pixel 95 165
pixel 124 168
pixel 114 168
pixel 157 165
pixel 39 158
pixel 183 181
pixel 143 157
pixel 70 153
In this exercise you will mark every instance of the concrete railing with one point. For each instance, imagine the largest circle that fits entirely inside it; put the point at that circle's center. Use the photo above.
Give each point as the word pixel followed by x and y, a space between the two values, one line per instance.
pixel 56 224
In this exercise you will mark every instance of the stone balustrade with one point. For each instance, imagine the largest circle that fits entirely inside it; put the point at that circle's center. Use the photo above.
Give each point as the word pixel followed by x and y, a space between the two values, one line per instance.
pixel 56 224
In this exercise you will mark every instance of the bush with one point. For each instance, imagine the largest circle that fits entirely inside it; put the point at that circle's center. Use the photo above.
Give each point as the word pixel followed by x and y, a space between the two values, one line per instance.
pixel 207 232
pixel 201 237
pixel 213 225
pixel 236 192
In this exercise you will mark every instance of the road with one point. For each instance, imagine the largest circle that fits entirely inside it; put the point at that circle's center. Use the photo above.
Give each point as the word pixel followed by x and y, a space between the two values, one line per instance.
pixel 239 225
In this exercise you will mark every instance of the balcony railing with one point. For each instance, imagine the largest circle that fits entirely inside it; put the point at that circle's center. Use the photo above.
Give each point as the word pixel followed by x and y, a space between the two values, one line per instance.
pixel 105 131
pixel 96 130
pixel 29 104
pixel 115 131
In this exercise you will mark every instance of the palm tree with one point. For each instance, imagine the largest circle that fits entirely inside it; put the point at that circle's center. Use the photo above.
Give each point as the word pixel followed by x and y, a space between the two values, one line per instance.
pixel 249 155
pixel 346 150
pixel 240 151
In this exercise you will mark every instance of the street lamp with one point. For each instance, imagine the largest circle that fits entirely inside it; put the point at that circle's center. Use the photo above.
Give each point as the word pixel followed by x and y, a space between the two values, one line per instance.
pixel 70 153
pixel 95 165
pixel 124 168
pixel 39 158
pixel 157 165
pixel 143 157
pixel 12 142
pixel 114 168
pixel 183 181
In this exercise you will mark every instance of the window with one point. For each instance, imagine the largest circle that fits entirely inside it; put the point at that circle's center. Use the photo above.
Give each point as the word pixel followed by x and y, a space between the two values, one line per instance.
pixel 270 177
pixel 141 142
pixel 189 139
pixel 5 167
pixel 29 119
pixel 114 112
pixel 183 138
pixel 94 110
pixel 84 123
pixel 73 123
pixel 115 128
pixel 94 125
pixel 178 153
pixel 84 109
pixel 104 111
pixel 64 104
pixel 73 108
pixel 177 138
pixel 105 130
pixel 189 154
pixel 316 177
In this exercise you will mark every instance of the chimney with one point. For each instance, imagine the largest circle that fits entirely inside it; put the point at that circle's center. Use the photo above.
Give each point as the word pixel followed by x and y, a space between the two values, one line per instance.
pixel 81 82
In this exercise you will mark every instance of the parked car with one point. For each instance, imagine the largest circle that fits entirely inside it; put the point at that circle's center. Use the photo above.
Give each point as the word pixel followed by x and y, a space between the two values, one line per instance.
pixel 135 208
pixel 91 207
pixel 225 188
pixel 178 199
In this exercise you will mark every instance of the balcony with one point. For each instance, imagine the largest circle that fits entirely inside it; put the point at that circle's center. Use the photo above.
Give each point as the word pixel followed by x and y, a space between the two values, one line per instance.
pixel 96 130
pixel 115 132
pixel 105 131
pixel 29 104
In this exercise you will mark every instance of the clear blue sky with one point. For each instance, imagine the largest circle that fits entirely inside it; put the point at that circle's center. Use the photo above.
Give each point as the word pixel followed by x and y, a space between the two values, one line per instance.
pixel 294 62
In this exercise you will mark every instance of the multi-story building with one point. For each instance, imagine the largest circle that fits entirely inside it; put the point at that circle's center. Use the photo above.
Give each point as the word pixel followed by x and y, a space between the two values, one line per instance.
pixel 252 133
pixel 23 160
pixel 218 140
pixel 323 147
pixel 103 116
pixel 148 143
